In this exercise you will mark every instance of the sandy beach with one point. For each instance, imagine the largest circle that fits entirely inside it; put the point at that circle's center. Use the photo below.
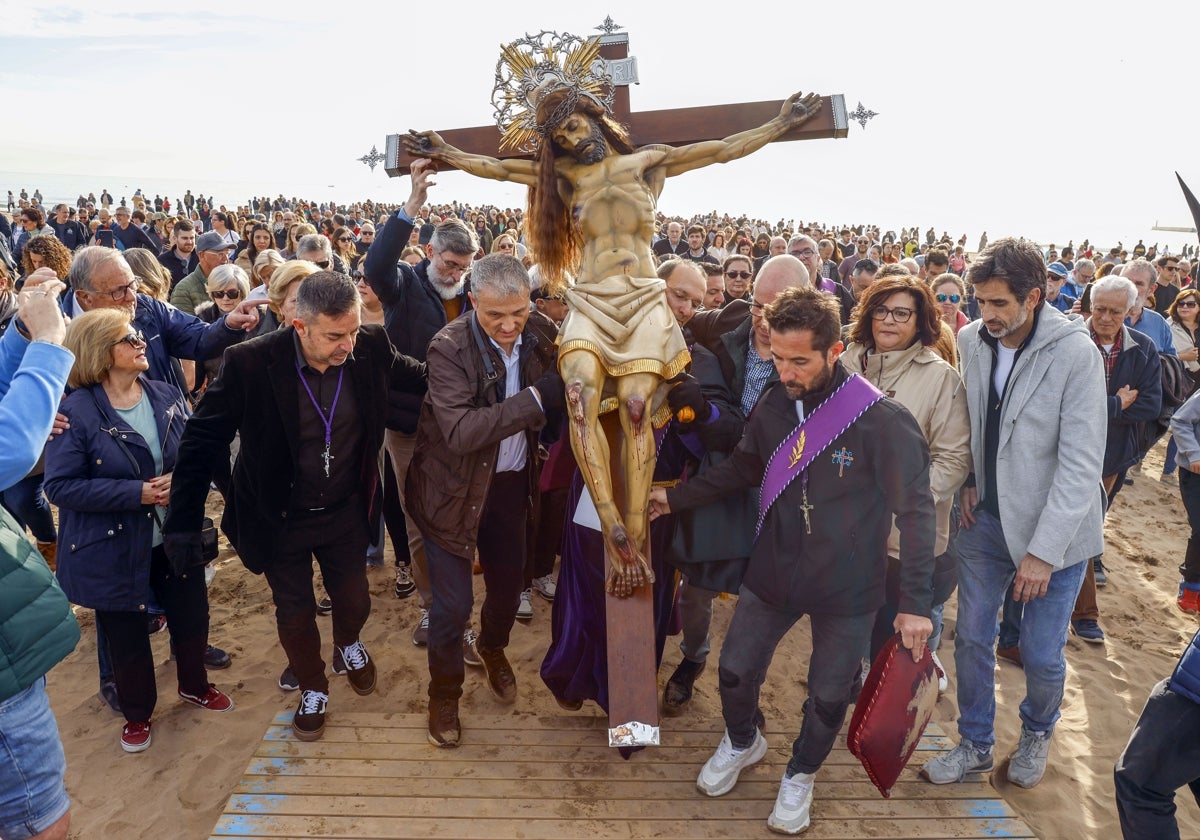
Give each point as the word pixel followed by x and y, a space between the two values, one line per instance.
pixel 178 787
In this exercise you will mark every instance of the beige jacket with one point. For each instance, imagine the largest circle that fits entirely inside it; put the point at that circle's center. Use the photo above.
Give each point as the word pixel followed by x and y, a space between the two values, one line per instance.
pixel 932 392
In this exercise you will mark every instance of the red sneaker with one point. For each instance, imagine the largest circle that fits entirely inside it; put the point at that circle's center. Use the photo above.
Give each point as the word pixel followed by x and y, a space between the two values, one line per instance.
pixel 1189 598
pixel 135 737
pixel 213 699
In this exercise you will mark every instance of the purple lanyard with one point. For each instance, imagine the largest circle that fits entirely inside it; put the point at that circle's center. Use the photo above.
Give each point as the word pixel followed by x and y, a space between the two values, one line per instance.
pixel 327 421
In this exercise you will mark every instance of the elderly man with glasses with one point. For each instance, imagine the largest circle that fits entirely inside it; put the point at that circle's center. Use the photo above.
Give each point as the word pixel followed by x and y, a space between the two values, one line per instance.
pixel 806 249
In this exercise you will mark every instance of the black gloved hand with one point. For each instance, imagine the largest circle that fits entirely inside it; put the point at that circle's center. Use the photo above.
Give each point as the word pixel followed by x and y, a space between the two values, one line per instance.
pixel 687 394
pixel 552 391
pixel 184 550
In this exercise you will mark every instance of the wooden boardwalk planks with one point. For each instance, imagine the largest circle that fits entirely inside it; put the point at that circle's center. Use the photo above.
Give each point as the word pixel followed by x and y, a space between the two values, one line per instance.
pixel 554 778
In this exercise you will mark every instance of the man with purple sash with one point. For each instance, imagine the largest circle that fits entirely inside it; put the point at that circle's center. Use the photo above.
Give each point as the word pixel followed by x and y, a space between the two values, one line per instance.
pixel 835 460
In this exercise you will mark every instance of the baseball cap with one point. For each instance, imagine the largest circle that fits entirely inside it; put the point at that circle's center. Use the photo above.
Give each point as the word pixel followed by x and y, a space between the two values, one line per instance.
pixel 1057 269
pixel 211 241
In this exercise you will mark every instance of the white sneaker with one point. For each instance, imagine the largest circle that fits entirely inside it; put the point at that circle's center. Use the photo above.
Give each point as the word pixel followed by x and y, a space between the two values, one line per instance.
pixel 941 673
pixel 545 586
pixel 792 804
pixel 525 607
pixel 720 773
pixel 958 763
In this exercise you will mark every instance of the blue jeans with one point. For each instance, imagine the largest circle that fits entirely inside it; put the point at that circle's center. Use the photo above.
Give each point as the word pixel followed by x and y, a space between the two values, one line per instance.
pixel 985 573
pixel 837 645
pixel 1163 755
pixel 32 764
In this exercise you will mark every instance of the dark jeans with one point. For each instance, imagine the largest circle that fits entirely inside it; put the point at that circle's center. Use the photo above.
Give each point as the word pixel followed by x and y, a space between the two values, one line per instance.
pixel 501 546
pixel 1163 755
pixel 547 538
pixel 185 601
pixel 29 506
pixel 837 645
pixel 1189 489
pixel 338 540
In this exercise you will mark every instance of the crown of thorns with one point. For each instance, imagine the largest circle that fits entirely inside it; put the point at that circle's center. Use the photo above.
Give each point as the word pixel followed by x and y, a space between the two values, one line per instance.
pixel 532 67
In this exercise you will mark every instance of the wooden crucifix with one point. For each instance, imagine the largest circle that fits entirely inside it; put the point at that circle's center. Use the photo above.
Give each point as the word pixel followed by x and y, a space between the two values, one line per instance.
pixel 619 343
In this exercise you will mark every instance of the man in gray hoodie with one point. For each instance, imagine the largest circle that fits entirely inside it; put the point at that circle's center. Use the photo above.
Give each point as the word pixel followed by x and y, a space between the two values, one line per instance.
pixel 1032 511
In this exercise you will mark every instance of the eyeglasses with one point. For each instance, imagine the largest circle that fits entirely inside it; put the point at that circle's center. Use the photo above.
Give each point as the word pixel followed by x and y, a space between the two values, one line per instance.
pixel 1086 278
pixel 950 298
pixel 736 275
pixel 1170 268
pixel 133 339
pixel 1186 303
pixel 803 255
pixel 899 314
pixel 321 263
pixel 508 246
pixel 227 294
pixel 121 293
pixel 756 309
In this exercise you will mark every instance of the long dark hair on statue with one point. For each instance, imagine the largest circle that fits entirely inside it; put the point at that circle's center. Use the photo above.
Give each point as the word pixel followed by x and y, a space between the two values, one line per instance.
pixel 556 242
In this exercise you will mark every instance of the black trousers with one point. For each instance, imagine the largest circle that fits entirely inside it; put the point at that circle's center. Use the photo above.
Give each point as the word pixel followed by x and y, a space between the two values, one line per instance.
pixel 185 602
pixel 501 545
pixel 338 540
pixel 550 508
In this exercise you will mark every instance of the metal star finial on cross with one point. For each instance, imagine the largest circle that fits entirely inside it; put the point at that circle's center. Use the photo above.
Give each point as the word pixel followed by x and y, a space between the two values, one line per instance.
pixel 375 158
pixel 861 115
pixel 608 27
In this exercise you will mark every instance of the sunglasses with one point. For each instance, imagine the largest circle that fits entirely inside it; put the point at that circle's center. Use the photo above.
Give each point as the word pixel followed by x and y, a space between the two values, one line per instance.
pixel 227 294
pixel 505 247
pixel 345 239
pixel 734 275
pixel 950 298
pixel 1186 303
pixel 321 263
pixel 133 339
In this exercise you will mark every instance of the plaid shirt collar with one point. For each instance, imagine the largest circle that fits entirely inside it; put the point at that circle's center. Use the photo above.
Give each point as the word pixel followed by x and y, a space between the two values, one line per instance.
pixel 1109 356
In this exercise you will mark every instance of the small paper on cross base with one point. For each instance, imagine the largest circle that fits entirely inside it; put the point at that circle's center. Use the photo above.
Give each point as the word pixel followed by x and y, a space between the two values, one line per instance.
pixel 633 734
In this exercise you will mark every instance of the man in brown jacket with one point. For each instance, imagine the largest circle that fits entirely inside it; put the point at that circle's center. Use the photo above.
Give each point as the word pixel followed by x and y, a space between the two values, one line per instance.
pixel 492 381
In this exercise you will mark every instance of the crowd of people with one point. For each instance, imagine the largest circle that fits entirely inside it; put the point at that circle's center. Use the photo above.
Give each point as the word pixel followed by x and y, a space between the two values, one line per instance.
pixel 349 377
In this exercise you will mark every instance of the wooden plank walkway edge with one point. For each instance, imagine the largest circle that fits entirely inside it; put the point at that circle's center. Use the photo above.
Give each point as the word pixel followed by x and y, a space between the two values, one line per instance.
pixel 545 777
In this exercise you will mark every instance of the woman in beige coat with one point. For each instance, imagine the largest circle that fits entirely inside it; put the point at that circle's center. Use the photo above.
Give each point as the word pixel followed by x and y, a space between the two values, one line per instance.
pixel 897 323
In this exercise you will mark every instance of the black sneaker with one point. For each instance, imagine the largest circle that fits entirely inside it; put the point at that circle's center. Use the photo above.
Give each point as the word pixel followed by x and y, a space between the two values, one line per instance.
pixel 404 581
pixel 288 681
pixel 1098 568
pixel 324 606
pixel 308 724
pixel 354 662
pixel 678 692
pixel 216 659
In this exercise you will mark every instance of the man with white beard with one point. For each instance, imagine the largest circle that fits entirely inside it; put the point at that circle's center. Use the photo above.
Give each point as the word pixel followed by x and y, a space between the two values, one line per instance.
pixel 417 302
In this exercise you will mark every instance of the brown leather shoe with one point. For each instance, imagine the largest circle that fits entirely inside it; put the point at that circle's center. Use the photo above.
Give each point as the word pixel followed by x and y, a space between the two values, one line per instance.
pixel 444 728
pixel 678 691
pixel 501 679
pixel 1010 654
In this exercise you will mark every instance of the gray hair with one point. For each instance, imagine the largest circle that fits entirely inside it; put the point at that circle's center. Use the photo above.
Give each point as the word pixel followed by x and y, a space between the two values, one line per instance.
pixel 1116 283
pixel 1142 265
pixel 224 275
pixel 914 267
pixel 328 293
pixel 800 239
pixel 501 275
pixel 87 261
pixel 314 243
pixel 1084 263
pixel 454 236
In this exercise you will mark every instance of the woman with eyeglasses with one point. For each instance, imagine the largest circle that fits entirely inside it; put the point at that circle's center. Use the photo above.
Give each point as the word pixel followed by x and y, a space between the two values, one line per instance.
pixel 109 474
pixel 951 294
pixel 504 244
pixel 896 325
pixel 343 247
pixel 1184 317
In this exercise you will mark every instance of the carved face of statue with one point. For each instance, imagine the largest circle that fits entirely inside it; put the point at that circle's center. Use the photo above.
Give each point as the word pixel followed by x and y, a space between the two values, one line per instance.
pixel 580 136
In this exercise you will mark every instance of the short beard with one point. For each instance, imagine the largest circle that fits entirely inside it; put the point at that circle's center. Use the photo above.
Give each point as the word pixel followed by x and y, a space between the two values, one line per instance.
pixel 447 289
pixel 799 392
pixel 597 151
pixel 1009 329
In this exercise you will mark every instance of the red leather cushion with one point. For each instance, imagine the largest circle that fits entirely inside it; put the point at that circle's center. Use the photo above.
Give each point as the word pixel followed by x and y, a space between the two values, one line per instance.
pixel 896 703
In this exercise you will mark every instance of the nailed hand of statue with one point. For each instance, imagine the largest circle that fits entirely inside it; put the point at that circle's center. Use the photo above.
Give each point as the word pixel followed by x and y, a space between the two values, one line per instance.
pixel 422 143
pixel 798 108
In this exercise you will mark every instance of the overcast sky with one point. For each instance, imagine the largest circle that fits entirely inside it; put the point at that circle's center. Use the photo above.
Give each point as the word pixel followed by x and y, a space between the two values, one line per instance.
pixel 1037 118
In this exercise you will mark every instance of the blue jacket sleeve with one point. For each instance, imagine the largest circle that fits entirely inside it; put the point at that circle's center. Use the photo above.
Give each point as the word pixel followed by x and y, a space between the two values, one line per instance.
pixel 187 337
pixel 379 268
pixel 30 397
pixel 68 484
pixel 1185 426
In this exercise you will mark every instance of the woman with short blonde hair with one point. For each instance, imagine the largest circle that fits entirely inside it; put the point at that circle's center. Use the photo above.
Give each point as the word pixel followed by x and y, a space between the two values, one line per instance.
pixel 266 264
pixel 282 283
